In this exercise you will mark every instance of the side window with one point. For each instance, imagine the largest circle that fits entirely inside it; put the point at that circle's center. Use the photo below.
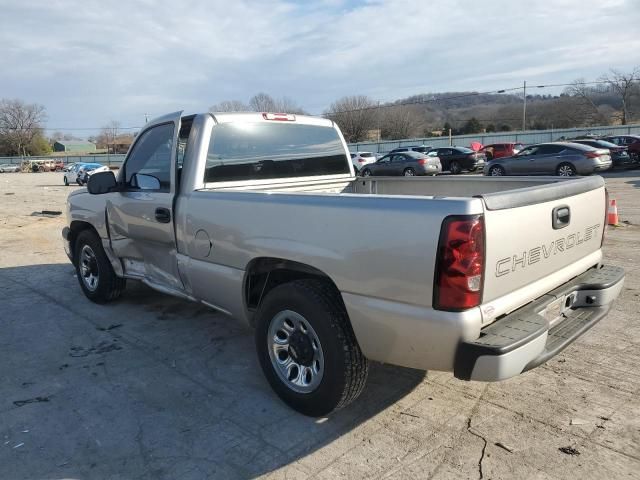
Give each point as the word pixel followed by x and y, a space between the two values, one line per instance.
pixel 528 151
pixel 397 159
pixel 445 151
pixel 151 156
pixel 550 149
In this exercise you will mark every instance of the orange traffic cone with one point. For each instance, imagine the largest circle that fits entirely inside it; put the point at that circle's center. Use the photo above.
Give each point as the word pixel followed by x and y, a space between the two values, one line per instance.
pixel 612 213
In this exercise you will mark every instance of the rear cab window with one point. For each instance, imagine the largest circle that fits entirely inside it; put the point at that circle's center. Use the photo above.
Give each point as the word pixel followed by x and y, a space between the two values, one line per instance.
pixel 244 151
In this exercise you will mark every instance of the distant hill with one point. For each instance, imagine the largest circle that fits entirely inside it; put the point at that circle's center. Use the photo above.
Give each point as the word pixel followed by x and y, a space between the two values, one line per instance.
pixel 504 111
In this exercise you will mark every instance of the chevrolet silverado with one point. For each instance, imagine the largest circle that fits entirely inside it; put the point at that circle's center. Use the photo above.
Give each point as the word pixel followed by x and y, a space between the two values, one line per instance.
pixel 261 216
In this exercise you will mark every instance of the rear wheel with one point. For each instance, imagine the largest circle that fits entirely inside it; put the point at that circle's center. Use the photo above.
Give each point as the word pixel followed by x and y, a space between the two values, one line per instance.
pixel 307 349
pixel 566 170
pixel 97 279
pixel 409 172
pixel 66 181
pixel 454 167
pixel 496 171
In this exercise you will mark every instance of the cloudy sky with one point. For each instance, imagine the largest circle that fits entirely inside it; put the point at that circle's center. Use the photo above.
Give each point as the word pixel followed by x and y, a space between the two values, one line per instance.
pixel 93 61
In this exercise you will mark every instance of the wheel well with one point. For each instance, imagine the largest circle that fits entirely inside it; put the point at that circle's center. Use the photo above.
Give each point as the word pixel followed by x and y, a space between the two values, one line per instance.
pixel 265 273
pixel 75 228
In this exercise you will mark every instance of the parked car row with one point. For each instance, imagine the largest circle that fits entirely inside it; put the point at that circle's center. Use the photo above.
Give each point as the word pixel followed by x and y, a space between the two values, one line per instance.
pixel 580 156
pixel 419 160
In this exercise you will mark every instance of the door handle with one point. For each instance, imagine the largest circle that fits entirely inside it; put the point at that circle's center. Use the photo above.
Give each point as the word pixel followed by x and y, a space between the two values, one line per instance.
pixel 560 217
pixel 163 215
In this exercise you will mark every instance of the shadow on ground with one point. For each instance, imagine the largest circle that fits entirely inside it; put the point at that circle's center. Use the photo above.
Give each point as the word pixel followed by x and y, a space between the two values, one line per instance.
pixel 149 387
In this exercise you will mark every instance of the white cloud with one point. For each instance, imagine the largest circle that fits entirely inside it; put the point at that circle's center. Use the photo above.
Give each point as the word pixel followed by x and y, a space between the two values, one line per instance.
pixel 92 61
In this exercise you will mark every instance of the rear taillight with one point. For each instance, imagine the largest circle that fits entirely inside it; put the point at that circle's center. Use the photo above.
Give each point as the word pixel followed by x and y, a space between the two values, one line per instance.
pixel 592 154
pixel 422 161
pixel 460 263
pixel 361 160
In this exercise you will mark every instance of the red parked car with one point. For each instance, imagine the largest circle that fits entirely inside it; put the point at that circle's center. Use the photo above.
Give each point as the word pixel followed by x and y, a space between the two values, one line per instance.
pixel 632 142
pixel 500 150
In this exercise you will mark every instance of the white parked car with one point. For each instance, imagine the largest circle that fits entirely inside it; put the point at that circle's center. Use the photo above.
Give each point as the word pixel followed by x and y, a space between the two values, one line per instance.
pixel 360 159
pixel 88 169
pixel 71 173
pixel 8 167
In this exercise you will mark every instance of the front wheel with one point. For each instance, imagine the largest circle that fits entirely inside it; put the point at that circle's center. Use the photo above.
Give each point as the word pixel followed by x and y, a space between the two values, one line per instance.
pixel 66 181
pixel 409 172
pixel 307 349
pixel 496 171
pixel 366 172
pixel 454 168
pixel 566 170
pixel 97 279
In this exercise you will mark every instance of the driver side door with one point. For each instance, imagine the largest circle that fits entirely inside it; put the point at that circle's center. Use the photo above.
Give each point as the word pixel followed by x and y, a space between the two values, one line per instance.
pixel 140 215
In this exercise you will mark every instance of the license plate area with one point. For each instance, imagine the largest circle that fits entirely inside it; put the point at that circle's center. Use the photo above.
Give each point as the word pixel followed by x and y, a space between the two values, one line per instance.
pixel 554 311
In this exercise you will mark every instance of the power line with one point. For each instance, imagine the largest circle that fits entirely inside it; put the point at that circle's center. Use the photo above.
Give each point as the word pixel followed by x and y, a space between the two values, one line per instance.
pixel 379 105
pixel 472 94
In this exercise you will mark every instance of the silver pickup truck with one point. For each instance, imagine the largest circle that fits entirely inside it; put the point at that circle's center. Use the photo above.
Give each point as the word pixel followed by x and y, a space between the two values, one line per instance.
pixel 261 217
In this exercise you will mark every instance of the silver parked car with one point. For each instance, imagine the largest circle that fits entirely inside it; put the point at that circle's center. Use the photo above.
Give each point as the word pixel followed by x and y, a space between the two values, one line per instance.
pixel 408 164
pixel 565 159
pixel 9 167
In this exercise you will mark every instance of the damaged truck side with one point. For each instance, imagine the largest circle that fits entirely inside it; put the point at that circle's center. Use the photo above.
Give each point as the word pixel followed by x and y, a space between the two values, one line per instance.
pixel 261 217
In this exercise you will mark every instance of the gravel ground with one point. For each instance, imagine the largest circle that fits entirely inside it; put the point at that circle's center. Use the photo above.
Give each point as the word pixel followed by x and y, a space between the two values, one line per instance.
pixel 152 387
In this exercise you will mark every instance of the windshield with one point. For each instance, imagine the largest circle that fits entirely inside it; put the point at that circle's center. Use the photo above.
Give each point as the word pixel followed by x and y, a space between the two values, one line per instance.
pixel 366 154
pixel 416 154
pixel 464 150
pixel 261 150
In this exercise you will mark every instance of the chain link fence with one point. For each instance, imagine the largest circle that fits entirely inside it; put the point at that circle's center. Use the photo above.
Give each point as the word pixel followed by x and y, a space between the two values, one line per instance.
pixel 526 137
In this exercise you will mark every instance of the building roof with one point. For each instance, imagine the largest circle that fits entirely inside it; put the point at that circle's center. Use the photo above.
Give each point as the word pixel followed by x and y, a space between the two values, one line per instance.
pixel 75 143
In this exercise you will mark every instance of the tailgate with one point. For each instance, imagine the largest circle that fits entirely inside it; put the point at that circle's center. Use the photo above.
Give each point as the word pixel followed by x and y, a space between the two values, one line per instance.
pixel 538 238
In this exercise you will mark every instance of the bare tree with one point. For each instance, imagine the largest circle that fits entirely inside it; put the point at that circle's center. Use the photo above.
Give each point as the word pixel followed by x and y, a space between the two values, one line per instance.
pixel 625 85
pixel 587 111
pixel 230 106
pixel 288 105
pixel 356 115
pixel 400 122
pixel 109 134
pixel 262 102
pixel 20 124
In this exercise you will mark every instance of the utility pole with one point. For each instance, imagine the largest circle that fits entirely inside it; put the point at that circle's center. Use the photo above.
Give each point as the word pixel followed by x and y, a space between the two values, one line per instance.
pixel 524 106
pixel 146 117
pixel 379 122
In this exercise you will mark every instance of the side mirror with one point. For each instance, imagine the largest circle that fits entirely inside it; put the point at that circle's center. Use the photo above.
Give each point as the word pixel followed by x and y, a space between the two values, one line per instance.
pixel 145 182
pixel 101 182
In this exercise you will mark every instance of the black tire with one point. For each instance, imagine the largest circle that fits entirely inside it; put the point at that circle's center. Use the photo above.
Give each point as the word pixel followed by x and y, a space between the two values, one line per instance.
pixel 454 167
pixel 366 172
pixel 109 285
pixel 496 171
pixel 66 182
pixel 78 181
pixel 566 170
pixel 409 172
pixel 345 368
